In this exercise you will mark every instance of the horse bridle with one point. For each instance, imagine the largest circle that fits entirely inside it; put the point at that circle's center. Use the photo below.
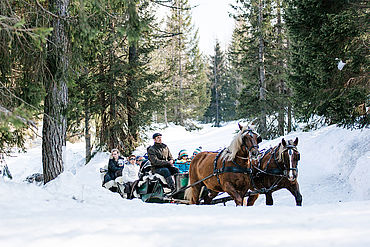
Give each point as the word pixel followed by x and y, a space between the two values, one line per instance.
pixel 290 148
pixel 250 133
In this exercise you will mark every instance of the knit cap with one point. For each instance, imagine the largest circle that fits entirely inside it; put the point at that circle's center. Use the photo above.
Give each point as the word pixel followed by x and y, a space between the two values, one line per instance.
pixel 182 153
pixel 197 151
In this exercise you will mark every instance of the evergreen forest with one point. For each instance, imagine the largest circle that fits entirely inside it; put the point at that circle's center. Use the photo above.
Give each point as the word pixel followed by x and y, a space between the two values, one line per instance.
pixel 104 70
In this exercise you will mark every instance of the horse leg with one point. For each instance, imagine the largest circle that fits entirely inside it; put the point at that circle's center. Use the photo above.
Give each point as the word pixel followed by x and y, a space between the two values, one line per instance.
pixel 195 194
pixel 294 189
pixel 269 200
pixel 252 199
pixel 234 194
pixel 209 197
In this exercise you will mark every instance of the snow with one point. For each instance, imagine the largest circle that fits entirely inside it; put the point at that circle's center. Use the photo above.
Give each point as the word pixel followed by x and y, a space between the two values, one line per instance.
pixel 74 210
pixel 340 63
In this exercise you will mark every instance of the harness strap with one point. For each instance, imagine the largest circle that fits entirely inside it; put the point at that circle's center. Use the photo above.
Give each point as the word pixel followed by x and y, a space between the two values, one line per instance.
pixel 268 163
pixel 191 185
pixel 216 171
pixel 273 172
pixel 234 169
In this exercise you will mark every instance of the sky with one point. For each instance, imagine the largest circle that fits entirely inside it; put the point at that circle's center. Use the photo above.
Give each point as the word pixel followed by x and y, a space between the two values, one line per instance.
pixel 212 19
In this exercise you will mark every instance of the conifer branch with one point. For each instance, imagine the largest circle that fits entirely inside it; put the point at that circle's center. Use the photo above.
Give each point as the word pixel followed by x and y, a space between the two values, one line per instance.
pixel 170 6
pixel 47 11
pixel 52 14
pixel 361 4
pixel 25 121
pixel 15 96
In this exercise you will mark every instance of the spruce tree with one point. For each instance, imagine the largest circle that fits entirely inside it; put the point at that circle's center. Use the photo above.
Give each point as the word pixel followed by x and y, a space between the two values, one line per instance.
pixel 186 91
pixel 258 52
pixel 223 89
pixel 115 76
pixel 321 34
pixel 22 54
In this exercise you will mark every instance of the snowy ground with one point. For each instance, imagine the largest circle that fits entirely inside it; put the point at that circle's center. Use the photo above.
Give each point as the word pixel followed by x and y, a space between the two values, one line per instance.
pixel 74 210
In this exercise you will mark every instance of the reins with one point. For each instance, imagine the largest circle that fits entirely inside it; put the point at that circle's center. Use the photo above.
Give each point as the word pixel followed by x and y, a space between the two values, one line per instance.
pixel 216 172
pixel 280 172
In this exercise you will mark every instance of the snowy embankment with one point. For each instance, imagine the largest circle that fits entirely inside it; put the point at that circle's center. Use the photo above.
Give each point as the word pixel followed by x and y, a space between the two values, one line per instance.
pixel 74 210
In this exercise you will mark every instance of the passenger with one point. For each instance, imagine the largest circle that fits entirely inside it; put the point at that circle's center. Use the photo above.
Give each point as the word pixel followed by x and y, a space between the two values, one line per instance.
pixel 139 160
pixel 161 159
pixel 183 162
pixel 131 171
pixel 196 151
pixel 115 166
pixel 130 174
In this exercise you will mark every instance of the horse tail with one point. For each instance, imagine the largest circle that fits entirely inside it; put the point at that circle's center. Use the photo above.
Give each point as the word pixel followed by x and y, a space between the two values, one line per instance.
pixel 189 192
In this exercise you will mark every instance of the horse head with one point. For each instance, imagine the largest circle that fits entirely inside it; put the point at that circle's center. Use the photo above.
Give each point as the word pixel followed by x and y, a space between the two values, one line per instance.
pixel 250 140
pixel 289 157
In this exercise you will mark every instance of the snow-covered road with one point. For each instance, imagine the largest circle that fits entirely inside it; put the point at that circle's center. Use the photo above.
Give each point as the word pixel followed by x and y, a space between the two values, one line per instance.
pixel 74 210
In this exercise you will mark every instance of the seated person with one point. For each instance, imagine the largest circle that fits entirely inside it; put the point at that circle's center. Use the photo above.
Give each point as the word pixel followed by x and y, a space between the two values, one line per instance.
pixel 161 160
pixel 196 151
pixel 131 170
pixel 115 166
pixel 139 160
pixel 183 162
pixel 130 174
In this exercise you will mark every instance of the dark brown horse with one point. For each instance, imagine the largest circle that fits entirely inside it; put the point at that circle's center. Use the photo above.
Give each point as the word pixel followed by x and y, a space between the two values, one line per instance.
pixel 228 171
pixel 277 169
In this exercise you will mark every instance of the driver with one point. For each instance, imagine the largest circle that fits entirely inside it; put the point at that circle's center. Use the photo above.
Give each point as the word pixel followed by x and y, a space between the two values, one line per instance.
pixel 162 161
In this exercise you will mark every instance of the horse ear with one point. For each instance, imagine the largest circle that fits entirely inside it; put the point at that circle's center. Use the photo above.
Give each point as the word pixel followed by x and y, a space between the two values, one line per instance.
pixel 283 142
pixel 295 141
pixel 259 139
pixel 240 127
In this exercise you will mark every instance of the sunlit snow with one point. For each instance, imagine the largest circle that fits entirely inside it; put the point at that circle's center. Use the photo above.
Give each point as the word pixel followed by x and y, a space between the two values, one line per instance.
pixel 74 210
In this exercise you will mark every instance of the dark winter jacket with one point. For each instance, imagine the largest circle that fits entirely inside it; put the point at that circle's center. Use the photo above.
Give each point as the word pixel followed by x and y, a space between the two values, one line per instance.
pixel 114 166
pixel 159 155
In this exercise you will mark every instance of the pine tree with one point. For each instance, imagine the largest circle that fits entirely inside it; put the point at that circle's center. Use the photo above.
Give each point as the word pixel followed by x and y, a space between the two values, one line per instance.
pixel 321 32
pixel 22 42
pixel 223 90
pixel 116 78
pixel 255 53
pixel 186 74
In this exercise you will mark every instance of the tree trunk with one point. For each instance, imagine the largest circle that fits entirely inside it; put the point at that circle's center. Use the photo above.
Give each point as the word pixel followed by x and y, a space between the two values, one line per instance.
pixel 181 98
pixel 55 105
pixel 87 131
pixel 131 103
pixel 215 72
pixel 165 111
pixel 282 90
pixel 165 115
pixel 289 105
pixel 261 56
pixel 289 128
pixel 103 120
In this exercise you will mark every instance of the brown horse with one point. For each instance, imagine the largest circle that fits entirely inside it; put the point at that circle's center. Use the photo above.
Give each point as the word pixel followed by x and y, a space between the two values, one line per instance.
pixel 228 171
pixel 277 169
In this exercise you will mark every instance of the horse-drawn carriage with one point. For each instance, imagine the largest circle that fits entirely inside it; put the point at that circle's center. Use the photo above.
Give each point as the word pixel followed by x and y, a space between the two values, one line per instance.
pixel 240 170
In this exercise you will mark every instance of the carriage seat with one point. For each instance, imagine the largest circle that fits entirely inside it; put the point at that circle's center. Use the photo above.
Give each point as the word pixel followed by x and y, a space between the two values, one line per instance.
pixel 110 185
pixel 146 177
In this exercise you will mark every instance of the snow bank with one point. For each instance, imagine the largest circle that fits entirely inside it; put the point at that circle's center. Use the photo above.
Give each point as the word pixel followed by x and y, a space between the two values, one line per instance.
pixel 74 209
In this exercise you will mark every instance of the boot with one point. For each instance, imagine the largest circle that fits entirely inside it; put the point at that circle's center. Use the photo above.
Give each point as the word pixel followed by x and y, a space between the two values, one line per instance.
pixel 171 184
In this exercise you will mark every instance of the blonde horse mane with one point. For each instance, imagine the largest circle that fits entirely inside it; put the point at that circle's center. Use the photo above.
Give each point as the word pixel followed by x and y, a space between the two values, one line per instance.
pixel 230 152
